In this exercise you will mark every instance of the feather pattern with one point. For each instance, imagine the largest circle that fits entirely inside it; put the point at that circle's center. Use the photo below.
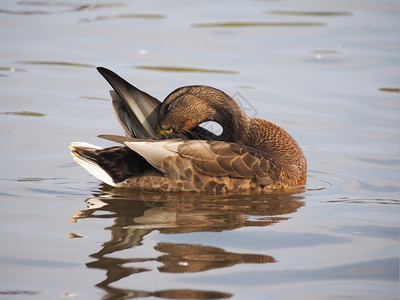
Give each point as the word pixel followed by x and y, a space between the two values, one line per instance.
pixel 250 155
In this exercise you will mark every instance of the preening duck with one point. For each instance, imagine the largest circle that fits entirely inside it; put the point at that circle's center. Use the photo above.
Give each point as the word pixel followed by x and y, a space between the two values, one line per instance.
pixel 165 149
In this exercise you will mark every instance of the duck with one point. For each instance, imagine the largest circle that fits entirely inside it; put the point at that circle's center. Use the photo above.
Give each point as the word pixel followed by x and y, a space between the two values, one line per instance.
pixel 165 148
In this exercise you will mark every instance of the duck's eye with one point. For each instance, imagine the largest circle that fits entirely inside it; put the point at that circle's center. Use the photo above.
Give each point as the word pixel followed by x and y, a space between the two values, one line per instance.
pixel 167 108
pixel 212 126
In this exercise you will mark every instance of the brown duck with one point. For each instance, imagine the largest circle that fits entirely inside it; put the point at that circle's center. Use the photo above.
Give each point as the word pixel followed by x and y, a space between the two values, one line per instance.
pixel 165 149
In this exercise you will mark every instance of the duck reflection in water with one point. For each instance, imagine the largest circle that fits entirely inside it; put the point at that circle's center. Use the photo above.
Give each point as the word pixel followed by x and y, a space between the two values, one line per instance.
pixel 137 214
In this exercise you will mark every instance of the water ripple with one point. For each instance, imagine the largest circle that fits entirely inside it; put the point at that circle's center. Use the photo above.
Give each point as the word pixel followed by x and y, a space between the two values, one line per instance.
pixel 184 69
pixel 309 13
pixel 23 113
pixel 56 63
pixel 124 16
pixel 70 7
pixel 260 24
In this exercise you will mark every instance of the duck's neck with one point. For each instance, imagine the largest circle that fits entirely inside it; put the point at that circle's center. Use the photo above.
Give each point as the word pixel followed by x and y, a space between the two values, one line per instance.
pixel 232 119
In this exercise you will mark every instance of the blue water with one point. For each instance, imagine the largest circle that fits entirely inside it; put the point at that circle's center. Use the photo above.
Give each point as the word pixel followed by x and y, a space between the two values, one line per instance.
pixel 327 72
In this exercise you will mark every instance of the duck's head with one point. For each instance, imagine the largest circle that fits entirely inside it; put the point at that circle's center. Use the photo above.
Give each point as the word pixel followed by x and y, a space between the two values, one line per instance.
pixel 187 107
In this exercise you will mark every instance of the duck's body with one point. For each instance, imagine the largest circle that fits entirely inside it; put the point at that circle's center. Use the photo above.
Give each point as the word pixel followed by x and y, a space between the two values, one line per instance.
pixel 251 154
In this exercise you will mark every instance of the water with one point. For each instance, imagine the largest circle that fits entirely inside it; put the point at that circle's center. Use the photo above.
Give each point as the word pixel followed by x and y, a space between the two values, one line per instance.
pixel 328 72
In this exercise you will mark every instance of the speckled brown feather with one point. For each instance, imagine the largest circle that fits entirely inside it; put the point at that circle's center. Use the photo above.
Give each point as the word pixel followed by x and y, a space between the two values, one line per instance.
pixel 214 166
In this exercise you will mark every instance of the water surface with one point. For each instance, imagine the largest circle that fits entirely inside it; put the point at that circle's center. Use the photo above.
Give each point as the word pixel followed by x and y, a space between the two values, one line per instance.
pixel 328 72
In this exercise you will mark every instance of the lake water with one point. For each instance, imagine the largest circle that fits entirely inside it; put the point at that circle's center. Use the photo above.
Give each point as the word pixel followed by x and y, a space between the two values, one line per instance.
pixel 326 71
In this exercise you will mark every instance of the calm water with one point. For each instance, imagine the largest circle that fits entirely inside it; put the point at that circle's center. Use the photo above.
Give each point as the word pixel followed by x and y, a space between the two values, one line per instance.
pixel 326 71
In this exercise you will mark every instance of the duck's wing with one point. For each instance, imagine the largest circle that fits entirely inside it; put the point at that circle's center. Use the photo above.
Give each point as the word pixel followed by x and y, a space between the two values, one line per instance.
pixel 211 158
pixel 178 165
pixel 136 110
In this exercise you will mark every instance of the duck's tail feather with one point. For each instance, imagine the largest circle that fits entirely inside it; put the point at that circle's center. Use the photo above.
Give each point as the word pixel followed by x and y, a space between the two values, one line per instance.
pixel 111 165
pixel 85 155
pixel 136 110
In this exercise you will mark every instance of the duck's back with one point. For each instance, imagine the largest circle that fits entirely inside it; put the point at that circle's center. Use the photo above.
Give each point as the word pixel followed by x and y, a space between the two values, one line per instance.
pixel 280 148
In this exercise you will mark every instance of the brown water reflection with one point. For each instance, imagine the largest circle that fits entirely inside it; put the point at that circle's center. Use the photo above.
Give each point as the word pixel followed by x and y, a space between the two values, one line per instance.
pixel 136 214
